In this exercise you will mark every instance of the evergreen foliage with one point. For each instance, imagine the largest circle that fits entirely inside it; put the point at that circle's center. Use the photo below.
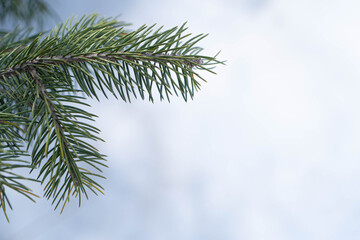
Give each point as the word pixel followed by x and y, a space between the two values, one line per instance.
pixel 45 78
pixel 25 12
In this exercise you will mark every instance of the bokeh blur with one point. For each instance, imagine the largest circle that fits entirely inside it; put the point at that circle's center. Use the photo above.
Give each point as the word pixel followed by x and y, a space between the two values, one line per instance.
pixel 268 149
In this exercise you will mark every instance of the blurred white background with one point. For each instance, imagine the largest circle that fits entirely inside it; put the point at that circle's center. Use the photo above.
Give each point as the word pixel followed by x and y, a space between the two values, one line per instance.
pixel 268 149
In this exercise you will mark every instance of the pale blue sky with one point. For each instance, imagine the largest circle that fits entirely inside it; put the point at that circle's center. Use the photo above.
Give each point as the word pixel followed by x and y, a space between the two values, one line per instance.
pixel 269 149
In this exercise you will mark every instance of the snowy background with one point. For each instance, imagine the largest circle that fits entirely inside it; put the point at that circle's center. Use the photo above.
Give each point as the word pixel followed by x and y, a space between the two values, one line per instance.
pixel 268 150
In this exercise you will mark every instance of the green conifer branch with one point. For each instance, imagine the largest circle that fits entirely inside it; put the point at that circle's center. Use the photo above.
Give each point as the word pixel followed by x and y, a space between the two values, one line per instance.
pixel 11 152
pixel 41 78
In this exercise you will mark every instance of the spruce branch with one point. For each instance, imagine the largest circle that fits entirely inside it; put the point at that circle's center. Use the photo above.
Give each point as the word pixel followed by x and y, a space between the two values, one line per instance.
pixel 106 57
pixel 60 142
pixel 103 56
pixel 25 11
pixel 10 153
pixel 57 123
pixel 42 77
